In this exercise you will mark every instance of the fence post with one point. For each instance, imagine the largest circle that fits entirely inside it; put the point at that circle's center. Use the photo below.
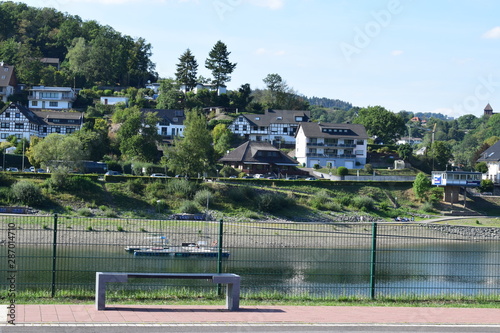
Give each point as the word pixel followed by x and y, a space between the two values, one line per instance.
pixel 219 255
pixel 54 257
pixel 373 260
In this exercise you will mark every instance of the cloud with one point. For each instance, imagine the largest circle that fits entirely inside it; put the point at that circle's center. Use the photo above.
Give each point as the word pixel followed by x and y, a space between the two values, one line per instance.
pixel 492 33
pixel 397 53
pixel 271 4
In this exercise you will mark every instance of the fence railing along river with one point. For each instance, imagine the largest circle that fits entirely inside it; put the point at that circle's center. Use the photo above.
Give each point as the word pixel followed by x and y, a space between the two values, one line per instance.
pixel 60 254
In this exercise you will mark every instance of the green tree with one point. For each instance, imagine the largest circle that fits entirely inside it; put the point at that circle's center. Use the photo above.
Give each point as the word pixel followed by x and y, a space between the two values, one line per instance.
pixel 57 151
pixel 241 98
pixel 440 153
pixel 385 125
pixel 481 167
pixel 193 154
pixel 94 138
pixel 421 186
pixel 405 151
pixel 218 62
pixel 169 95
pixel 187 69
pixel 138 136
pixel 222 136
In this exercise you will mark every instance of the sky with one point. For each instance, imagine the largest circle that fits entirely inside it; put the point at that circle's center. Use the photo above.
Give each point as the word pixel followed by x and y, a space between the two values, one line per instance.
pixel 415 55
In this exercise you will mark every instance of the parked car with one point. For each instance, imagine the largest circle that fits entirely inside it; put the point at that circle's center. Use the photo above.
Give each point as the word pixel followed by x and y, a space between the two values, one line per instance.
pixel 311 178
pixel 271 177
pixel 113 173
pixel 247 177
pixel 40 170
pixel 13 169
pixel 160 175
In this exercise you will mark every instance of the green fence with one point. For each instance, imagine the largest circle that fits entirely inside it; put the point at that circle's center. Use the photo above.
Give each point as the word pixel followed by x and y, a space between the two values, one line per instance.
pixel 59 255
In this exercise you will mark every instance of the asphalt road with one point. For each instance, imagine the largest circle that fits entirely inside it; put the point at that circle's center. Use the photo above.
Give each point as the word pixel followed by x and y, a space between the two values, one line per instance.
pixel 228 328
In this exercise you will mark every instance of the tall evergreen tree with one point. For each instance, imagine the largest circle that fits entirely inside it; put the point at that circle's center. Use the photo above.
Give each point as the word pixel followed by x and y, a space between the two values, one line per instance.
pixel 187 70
pixel 218 62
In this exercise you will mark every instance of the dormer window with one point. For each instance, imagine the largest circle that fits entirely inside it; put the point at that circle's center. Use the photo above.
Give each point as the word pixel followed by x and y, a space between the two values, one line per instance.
pixel 257 118
pixel 279 118
pixel 299 119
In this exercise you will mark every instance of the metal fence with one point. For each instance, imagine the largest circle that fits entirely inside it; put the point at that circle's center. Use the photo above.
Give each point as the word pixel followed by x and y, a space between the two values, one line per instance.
pixel 59 255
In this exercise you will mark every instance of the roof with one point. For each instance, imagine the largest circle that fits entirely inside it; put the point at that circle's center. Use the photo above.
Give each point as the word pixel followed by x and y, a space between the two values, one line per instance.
pixel 328 130
pixel 30 115
pixel 491 154
pixel 488 107
pixel 7 75
pixel 170 116
pixel 252 152
pixel 43 88
pixel 277 117
pixel 48 117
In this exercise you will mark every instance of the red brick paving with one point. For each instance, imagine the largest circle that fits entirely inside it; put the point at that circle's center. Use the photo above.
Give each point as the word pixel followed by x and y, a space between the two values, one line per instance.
pixel 254 314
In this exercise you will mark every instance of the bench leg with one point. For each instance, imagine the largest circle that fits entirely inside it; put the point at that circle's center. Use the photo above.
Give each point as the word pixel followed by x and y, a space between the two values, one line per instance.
pixel 233 296
pixel 100 287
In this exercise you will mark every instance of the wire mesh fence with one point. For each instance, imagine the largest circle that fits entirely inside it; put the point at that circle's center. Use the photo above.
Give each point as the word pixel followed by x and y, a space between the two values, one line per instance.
pixel 59 255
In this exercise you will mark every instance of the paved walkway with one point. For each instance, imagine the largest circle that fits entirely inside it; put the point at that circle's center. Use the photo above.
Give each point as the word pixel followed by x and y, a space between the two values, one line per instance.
pixel 154 314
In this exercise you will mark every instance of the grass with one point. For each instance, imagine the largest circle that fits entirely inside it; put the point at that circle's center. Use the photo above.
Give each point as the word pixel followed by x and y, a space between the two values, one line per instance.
pixel 185 296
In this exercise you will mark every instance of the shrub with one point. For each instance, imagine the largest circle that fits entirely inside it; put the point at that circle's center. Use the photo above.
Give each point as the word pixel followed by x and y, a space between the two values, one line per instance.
pixel 182 188
pixel 228 171
pixel 273 202
pixel 85 212
pixel 80 184
pixel 156 190
pixel 316 166
pixel 486 186
pixel 26 192
pixel 343 199
pixel 240 194
pixel 436 194
pixel 189 207
pixel 134 185
pixel 342 171
pixel 428 207
pixel 5 194
pixel 320 199
pixel 203 196
pixel 362 202
pixel 368 168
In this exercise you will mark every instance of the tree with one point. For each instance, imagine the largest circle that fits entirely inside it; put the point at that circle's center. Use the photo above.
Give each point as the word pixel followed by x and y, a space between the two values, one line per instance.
pixel 218 63
pixel 385 125
pixel 138 136
pixel 222 139
pixel 481 167
pixel 57 152
pixel 169 95
pixel 405 151
pixel 187 70
pixel 94 138
pixel 421 185
pixel 193 154
pixel 242 98
pixel 440 153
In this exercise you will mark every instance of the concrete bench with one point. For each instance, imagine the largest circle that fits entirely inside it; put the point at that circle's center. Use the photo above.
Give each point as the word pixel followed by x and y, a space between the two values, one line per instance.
pixel 231 280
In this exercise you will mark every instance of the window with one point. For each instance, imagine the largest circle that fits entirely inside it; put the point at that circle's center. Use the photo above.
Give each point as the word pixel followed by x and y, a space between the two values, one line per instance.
pixel 53 104
pixel 256 128
pixel 71 121
pixel 18 115
pixel 236 127
pixel 19 126
pixel 262 128
pixel 19 136
pixel 44 130
pixel 298 119
pixel 34 103
pixel 359 152
pixel 240 119
pixel 4 135
pixel 56 130
pixel 285 130
pixel 70 130
pixel 5 125
pixel 244 127
pixel 56 120
pixel 360 142
pixel 7 114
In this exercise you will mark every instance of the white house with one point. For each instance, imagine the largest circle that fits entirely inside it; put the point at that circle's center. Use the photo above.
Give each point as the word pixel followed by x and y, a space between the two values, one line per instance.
pixel 331 145
pixel 492 158
pixel 211 87
pixel 56 98
pixel 23 123
pixel 8 81
pixel 274 126
pixel 171 122
pixel 113 100
pixel 410 140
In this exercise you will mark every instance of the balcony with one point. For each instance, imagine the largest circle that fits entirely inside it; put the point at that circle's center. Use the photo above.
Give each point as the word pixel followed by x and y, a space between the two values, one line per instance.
pixel 58 98
pixel 335 145
pixel 331 156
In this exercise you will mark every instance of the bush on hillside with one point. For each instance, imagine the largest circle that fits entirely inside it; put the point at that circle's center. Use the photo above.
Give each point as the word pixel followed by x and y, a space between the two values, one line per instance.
pixel 189 207
pixel 26 192
pixel 342 171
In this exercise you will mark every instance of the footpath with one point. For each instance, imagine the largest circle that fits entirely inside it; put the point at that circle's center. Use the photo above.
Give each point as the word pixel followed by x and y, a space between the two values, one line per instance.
pixel 86 314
